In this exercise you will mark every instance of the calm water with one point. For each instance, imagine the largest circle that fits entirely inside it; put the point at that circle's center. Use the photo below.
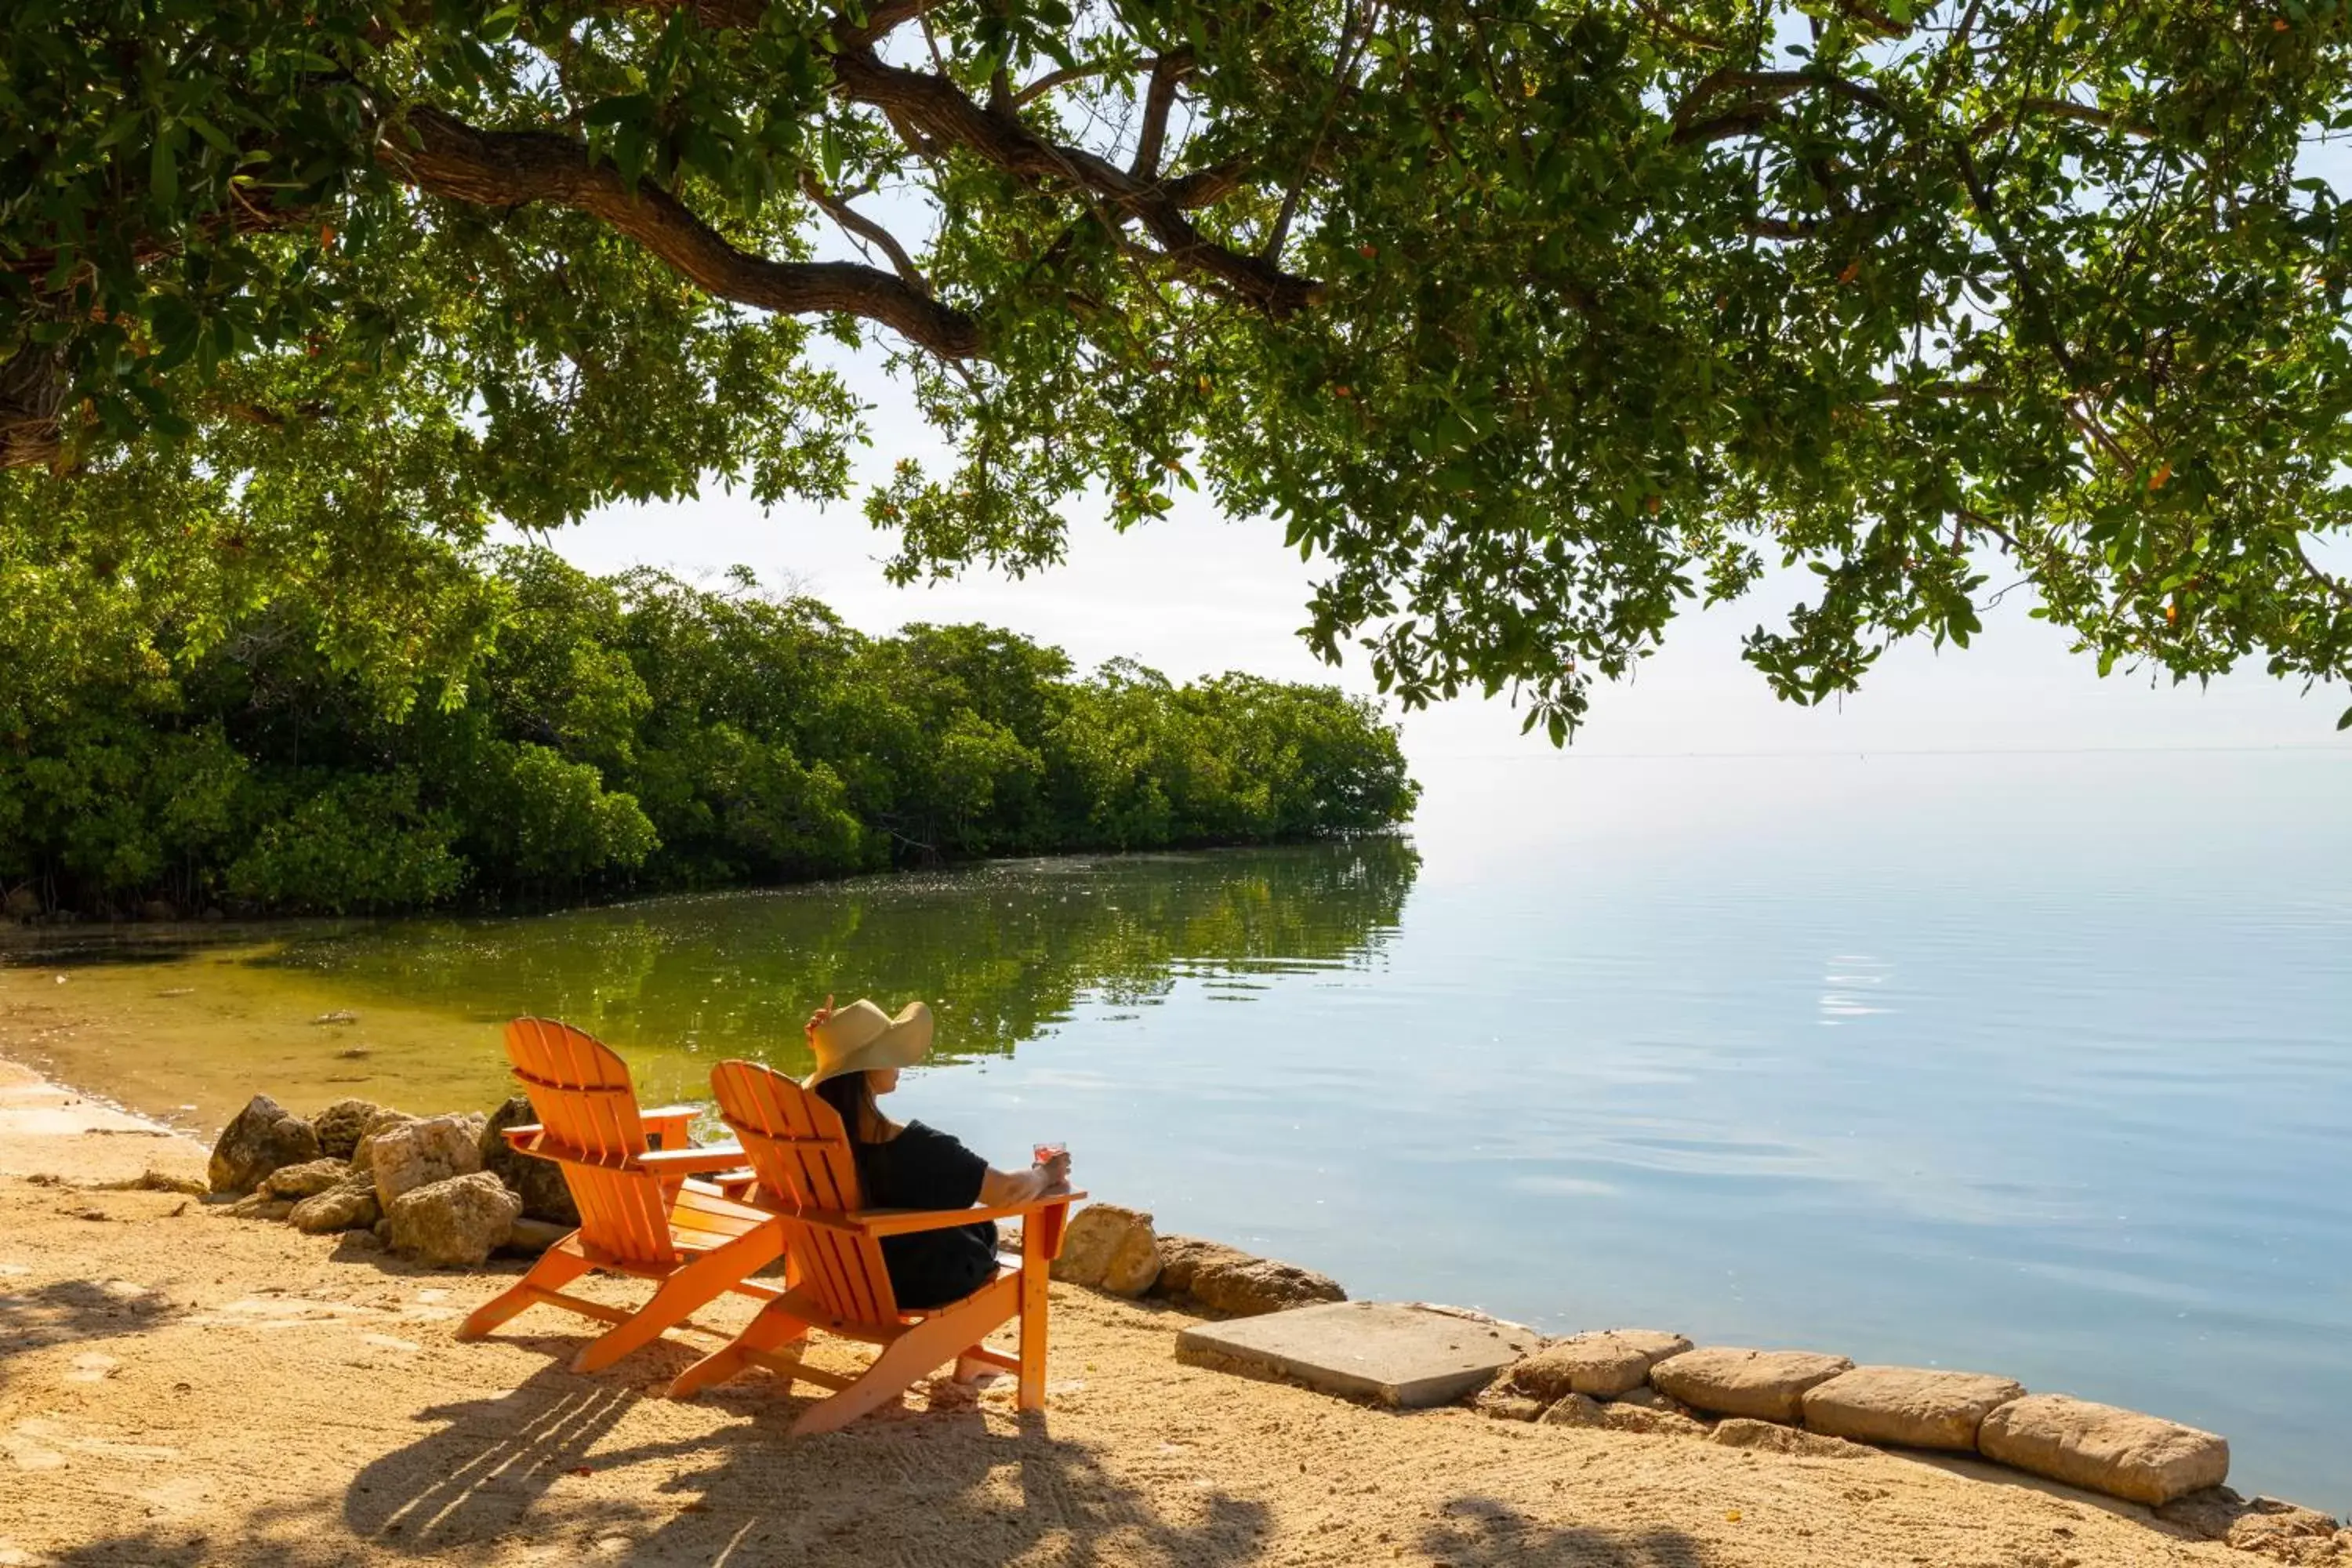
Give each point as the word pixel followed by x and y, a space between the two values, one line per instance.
pixel 2039 1066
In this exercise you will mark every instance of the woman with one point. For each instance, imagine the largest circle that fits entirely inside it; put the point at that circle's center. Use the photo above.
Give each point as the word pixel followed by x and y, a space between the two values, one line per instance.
pixel 859 1050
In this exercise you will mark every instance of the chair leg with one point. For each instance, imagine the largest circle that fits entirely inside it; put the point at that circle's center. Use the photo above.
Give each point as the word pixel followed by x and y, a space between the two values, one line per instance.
pixel 934 1341
pixel 772 1330
pixel 1032 1393
pixel 691 1287
pixel 557 1267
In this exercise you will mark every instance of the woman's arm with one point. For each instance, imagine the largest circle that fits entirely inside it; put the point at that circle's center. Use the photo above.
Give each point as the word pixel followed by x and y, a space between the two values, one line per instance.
pixel 1005 1189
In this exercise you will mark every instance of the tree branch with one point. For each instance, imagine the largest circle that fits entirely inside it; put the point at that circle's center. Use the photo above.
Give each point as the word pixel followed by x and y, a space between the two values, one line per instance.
pixel 1158 98
pixel 864 227
pixel 2067 109
pixel 505 168
pixel 937 107
pixel 2332 584
pixel 1666 23
pixel 1760 90
pixel 1031 91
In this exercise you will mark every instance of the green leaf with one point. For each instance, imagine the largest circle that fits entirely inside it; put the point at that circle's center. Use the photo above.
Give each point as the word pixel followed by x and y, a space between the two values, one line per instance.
pixel 632 108
pixel 163 167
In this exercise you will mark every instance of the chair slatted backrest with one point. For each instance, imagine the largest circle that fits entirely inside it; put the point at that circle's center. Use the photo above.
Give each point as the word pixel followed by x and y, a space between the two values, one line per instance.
pixel 797 1145
pixel 580 1092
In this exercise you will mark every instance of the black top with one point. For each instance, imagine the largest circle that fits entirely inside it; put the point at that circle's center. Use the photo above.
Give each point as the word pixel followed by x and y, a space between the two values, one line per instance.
pixel 923 1168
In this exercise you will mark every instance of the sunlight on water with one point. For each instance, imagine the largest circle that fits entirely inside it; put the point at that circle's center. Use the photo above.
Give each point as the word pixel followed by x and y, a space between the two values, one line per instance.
pixel 2034 1066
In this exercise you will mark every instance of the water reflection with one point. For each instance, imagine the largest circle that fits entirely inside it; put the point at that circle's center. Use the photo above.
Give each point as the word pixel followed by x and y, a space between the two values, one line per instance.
pixel 1000 952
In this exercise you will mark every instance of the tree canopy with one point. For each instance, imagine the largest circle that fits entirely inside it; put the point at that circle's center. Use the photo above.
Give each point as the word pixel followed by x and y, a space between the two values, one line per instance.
pixel 640 732
pixel 1533 321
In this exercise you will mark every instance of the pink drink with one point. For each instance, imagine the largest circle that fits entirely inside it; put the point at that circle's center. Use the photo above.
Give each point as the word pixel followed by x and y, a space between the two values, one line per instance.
pixel 1045 1153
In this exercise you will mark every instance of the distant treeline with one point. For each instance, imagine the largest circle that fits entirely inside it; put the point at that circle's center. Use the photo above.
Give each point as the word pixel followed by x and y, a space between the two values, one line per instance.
pixel 641 732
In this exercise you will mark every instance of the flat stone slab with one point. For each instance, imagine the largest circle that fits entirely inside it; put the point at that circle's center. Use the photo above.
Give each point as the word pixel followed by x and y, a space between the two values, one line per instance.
pixel 1408 1356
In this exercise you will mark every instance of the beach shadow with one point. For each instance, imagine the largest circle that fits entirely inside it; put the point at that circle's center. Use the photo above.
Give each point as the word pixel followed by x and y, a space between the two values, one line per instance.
pixel 1482 1532
pixel 65 1312
pixel 905 1486
pixel 501 1465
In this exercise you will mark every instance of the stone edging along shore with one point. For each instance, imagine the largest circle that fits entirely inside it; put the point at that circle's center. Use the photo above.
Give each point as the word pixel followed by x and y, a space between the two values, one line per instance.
pixel 447 1190
pixel 1791 1401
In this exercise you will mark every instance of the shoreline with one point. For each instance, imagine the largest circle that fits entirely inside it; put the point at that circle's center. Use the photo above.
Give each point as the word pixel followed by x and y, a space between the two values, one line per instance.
pixel 165 1359
pixel 13 927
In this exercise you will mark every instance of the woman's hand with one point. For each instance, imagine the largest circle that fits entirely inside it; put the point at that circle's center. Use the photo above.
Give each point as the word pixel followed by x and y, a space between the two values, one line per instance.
pixel 1006 1189
pixel 817 1017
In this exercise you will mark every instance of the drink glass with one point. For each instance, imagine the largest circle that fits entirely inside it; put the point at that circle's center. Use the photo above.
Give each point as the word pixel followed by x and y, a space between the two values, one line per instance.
pixel 1044 1153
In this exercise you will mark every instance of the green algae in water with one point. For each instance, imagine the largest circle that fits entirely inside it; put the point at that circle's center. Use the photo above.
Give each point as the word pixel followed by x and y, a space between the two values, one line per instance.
pixel 407 1011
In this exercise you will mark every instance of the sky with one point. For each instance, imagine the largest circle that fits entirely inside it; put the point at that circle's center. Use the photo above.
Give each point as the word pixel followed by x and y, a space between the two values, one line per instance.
pixel 1194 594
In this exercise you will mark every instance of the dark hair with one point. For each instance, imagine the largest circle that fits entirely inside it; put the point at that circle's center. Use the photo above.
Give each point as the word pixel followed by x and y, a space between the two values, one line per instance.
pixel 852 1096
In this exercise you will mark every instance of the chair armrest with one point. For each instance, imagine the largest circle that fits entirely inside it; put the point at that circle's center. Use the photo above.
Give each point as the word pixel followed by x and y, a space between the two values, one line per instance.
pixel 903 1222
pixel 517 1137
pixel 669 1126
pixel 691 1161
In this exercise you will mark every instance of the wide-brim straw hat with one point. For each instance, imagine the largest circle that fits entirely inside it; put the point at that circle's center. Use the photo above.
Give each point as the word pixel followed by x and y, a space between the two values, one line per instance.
pixel 861 1038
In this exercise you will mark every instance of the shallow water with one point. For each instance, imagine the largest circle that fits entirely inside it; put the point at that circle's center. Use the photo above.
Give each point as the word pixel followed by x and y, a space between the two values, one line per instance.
pixel 2038 1066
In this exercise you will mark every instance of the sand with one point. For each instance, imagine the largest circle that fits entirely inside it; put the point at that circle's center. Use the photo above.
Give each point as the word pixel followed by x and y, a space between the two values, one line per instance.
pixel 180 1387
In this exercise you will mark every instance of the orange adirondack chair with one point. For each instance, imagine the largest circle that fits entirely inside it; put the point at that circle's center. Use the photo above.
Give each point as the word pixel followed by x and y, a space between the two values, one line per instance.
pixel 796 1143
pixel 639 1215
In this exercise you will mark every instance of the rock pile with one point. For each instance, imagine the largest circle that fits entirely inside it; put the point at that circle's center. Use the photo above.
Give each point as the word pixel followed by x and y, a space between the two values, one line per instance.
pixel 417 1182
pixel 1112 1247
pixel 1236 1284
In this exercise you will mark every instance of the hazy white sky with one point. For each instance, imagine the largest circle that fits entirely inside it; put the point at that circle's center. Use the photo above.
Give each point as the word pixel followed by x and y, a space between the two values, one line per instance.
pixel 1194 594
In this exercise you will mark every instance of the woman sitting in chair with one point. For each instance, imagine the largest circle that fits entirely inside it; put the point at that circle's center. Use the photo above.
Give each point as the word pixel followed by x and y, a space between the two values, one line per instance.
pixel 859 1051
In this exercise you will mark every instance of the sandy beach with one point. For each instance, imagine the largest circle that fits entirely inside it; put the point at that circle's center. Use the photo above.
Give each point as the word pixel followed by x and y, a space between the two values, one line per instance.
pixel 181 1387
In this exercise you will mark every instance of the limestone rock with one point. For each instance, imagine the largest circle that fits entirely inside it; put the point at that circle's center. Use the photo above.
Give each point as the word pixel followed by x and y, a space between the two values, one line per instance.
pixel 381 1230
pixel 2283 1531
pixel 382 1122
pixel 1110 1247
pixel 1498 1402
pixel 263 1137
pixel 1650 1399
pixel 260 1205
pixel 152 1179
pixel 1571 1410
pixel 531 1236
pixel 1583 1410
pixel 2120 1452
pixel 1240 1284
pixel 351 1205
pixel 1604 1364
pixel 1767 1385
pixel 538 1182
pixel 420 1153
pixel 1179 1256
pixel 2209 1513
pixel 341 1124
pixel 1913 1406
pixel 458 1221
pixel 1739 1432
pixel 305 1180
pixel 1619 1416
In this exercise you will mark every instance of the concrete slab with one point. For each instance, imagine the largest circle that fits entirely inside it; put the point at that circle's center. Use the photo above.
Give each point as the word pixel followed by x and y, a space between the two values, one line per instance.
pixel 1388 1352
